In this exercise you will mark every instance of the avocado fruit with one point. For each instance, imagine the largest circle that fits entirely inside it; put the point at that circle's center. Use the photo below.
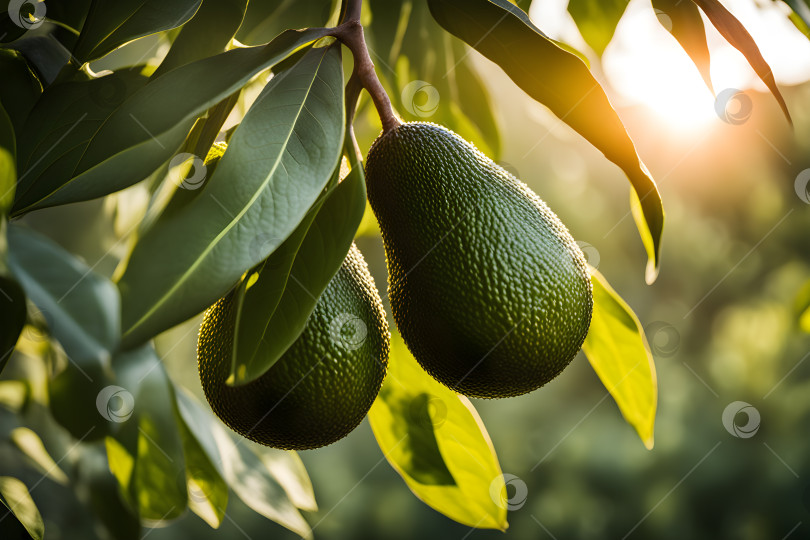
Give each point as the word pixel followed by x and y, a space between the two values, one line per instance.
pixel 325 382
pixel 489 290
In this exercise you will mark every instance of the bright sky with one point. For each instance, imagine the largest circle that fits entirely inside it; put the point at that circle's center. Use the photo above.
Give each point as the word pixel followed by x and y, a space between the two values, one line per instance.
pixel 645 64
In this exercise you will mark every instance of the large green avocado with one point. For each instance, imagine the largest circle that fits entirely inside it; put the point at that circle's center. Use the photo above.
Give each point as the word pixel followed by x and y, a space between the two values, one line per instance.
pixel 489 290
pixel 323 385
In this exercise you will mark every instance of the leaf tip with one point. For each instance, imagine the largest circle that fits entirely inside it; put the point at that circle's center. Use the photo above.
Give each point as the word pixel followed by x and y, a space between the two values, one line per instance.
pixel 651 273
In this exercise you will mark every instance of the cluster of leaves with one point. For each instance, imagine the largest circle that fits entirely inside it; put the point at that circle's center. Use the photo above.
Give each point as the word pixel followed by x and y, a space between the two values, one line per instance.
pixel 269 211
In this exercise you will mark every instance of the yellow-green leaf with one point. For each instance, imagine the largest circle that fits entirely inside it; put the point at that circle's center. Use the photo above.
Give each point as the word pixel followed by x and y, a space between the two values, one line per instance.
pixel 31 445
pixel 436 441
pixel 14 496
pixel 803 307
pixel 619 353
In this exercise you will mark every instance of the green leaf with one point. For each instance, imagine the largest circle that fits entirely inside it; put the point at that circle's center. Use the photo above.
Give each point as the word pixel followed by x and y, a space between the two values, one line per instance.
pixel 207 34
pixel 430 74
pixel 265 19
pixel 736 34
pixel 244 472
pixel 208 491
pixel 474 99
pixel 561 81
pixel 289 471
pixel 14 496
pixel 20 88
pixel 280 157
pixel 144 132
pixel 31 445
pixel 252 482
pixel 597 20
pixel 436 441
pixel 150 437
pixel 112 23
pixel 802 307
pixel 800 15
pixel 682 20
pixel 8 167
pixel 93 470
pixel 61 124
pixel 617 350
pixel 81 307
pixel 269 322
pixel 12 299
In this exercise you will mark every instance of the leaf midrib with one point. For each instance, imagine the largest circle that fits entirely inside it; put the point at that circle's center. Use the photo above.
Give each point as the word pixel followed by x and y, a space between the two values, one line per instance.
pixel 193 267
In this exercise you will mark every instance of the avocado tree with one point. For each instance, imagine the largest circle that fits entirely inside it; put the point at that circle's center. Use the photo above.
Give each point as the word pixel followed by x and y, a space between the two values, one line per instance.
pixel 231 180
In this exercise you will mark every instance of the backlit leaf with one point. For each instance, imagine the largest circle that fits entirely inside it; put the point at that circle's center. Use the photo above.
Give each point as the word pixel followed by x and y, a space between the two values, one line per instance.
pixel 617 350
pixel 31 445
pixel 597 20
pixel 736 34
pixel 682 19
pixel 562 82
pixel 436 441
pixel 802 306
pixel 14 496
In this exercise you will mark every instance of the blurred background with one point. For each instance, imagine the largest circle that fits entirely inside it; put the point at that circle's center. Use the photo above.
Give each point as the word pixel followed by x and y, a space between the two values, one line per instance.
pixel 721 319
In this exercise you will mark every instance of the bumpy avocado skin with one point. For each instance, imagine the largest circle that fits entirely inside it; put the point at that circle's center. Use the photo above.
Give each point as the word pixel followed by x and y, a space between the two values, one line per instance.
pixel 490 292
pixel 323 385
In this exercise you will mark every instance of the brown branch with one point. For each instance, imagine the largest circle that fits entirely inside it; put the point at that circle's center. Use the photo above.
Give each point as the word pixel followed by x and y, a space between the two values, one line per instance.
pixel 350 33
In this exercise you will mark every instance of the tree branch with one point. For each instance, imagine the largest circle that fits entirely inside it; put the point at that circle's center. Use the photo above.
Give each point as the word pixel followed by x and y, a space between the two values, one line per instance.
pixel 350 33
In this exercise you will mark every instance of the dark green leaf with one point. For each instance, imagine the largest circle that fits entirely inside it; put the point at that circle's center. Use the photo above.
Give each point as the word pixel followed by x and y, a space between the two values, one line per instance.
pixel 268 323
pixel 46 55
pixel 245 473
pixel 61 124
pixel 265 19
pixel 112 23
pixel 9 29
pixel 20 88
pixel 280 157
pixel 682 19
pixel 561 81
pixel 736 34
pixel 14 496
pixel 73 395
pixel 618 352
pixel 597 20
pixel 207 34
pixel 105 499
pixel 12 317
pixel 81 307
pixel 157 480
pixel 145 131
pixel 436 441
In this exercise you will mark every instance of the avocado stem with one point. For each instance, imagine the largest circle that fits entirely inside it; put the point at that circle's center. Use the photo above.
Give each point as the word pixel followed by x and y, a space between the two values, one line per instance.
pixel 350 33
